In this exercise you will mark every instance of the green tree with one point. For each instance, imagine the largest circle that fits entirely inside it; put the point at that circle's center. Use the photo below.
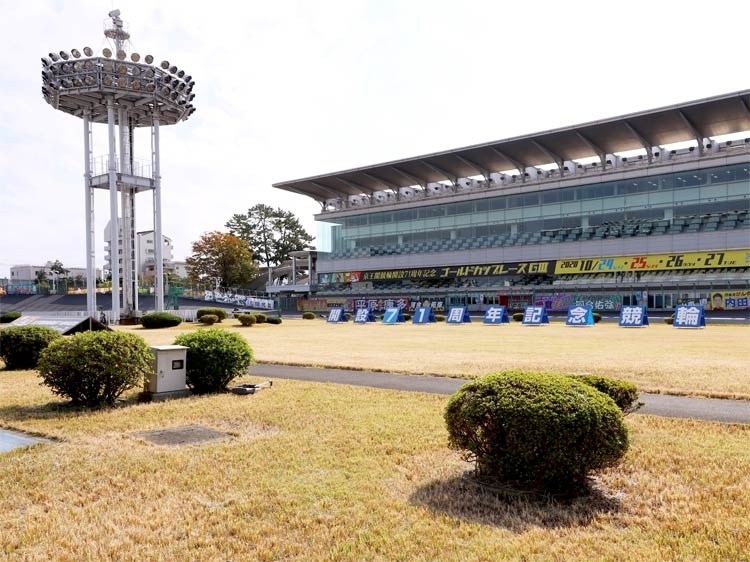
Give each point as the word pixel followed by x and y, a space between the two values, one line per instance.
pixel 41 281
pixel 58 271
pixel 271 234
pixel 221 260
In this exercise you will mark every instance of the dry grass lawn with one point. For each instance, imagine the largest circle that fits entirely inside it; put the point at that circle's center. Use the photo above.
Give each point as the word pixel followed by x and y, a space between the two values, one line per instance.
pixel 318 472
pixel 714 361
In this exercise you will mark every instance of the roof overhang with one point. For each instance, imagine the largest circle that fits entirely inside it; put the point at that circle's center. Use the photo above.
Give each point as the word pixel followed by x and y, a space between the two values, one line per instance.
pixel 690 121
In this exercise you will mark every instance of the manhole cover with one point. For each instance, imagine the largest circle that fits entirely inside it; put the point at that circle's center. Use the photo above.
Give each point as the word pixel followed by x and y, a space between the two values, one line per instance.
pixel 185 435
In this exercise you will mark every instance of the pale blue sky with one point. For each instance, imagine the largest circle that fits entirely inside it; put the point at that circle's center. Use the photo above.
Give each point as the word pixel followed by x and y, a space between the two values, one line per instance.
pixel 290 89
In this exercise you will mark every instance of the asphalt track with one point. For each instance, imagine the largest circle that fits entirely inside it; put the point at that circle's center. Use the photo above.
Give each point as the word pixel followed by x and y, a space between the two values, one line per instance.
pixel 664 405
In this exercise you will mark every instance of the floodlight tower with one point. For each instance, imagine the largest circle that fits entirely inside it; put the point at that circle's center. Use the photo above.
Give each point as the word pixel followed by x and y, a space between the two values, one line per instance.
pixel 126 94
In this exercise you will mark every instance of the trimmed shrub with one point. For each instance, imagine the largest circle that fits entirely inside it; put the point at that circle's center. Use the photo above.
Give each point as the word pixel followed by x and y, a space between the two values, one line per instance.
pixel 95 368
pixel 440 318
pixel 624 393
pixel 217 311
pixel 260 318
pixel 155 320
pixel 8 317
pixel 407 316
pixel 209 319
pixel 246 319
pixel 518 316
pixel 596 316
pixel 214 358
pixel 273 320
pixel 20 346
pixel 669 320
pixel 308 315
pixel 535 431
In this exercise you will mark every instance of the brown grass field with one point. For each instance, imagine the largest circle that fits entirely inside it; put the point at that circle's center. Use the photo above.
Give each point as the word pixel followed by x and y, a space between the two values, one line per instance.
pixel 318 472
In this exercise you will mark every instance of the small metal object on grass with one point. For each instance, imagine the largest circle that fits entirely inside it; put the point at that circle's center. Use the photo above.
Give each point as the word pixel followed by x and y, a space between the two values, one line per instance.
pixel 250 388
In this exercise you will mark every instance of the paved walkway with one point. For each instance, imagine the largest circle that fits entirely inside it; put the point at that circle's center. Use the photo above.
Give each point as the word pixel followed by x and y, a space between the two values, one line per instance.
pixel 710 409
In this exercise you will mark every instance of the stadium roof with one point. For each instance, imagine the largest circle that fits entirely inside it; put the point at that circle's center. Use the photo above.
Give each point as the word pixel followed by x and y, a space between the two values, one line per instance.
pixel 691 121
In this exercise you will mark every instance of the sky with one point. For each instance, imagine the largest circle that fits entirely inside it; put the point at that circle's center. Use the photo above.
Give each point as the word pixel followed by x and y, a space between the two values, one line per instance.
pixel 291 89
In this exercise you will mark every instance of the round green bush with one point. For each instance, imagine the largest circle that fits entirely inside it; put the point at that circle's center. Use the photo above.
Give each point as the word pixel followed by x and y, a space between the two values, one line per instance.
pixel 155 320
pixel 214 358
pixel 217 311
pixel 624 393
pixel 597 317
pixel 273 320
pixel 669 320
pixel 209 319
pixel 20 346
pixel 535 431
pixel 246 319
pixel 8 317
pixel 518 316
pixel 407 317
pixel 308 315
pixel 440 318
pixel 260 318
pixel 95 368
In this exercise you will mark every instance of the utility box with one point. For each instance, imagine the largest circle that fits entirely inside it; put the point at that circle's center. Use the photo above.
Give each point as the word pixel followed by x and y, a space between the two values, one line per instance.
pixel 168 378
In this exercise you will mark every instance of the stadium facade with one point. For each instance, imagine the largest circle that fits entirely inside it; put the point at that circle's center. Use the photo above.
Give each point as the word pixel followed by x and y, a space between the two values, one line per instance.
pixel 648 208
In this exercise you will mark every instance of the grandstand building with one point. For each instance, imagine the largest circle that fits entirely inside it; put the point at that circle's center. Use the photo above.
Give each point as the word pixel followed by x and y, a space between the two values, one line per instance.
pixel 648 208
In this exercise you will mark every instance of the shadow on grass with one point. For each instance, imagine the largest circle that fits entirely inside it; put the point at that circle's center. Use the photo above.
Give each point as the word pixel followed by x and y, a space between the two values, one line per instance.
pixel 59 409
pixel 463 497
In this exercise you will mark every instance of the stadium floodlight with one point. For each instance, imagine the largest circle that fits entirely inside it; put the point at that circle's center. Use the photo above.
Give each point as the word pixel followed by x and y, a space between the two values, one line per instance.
pixel 107 52
pixel 54 57
pixel 77 82
pixel 149 73
pixel 149 59
pixel 180 74
pixel 121 55
pixel 135 71
pixel 108 66
pixel 88 52
pixel 122 69
pixel 89 80
pixel 172 69
pixel 122 82
pixel 165 91
pixel 164 64
pixel 66 83
pixel 107 80
pixel 46 62
pixel 76 53
pixel 88 65
pixel 181 86
pixel 136 84
pixel 135 57
pixel 150 87
pixel 77 66
pixel 188 79
pixel 64 55
pixel 167 79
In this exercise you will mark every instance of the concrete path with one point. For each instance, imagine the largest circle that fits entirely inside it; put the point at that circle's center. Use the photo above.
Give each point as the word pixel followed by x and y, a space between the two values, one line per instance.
pixel 710 409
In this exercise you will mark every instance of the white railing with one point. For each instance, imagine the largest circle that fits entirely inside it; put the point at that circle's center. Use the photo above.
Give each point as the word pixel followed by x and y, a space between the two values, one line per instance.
pixel 141 168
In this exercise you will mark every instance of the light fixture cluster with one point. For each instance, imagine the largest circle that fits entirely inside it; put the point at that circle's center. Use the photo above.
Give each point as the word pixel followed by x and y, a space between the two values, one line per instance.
pixel 80 73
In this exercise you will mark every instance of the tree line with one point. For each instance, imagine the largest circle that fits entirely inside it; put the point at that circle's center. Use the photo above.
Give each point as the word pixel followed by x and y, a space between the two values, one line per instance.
pixel 262 237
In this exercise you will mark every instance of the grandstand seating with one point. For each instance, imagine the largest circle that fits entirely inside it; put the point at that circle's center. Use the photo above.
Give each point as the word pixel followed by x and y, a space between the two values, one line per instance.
pixel 620 229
